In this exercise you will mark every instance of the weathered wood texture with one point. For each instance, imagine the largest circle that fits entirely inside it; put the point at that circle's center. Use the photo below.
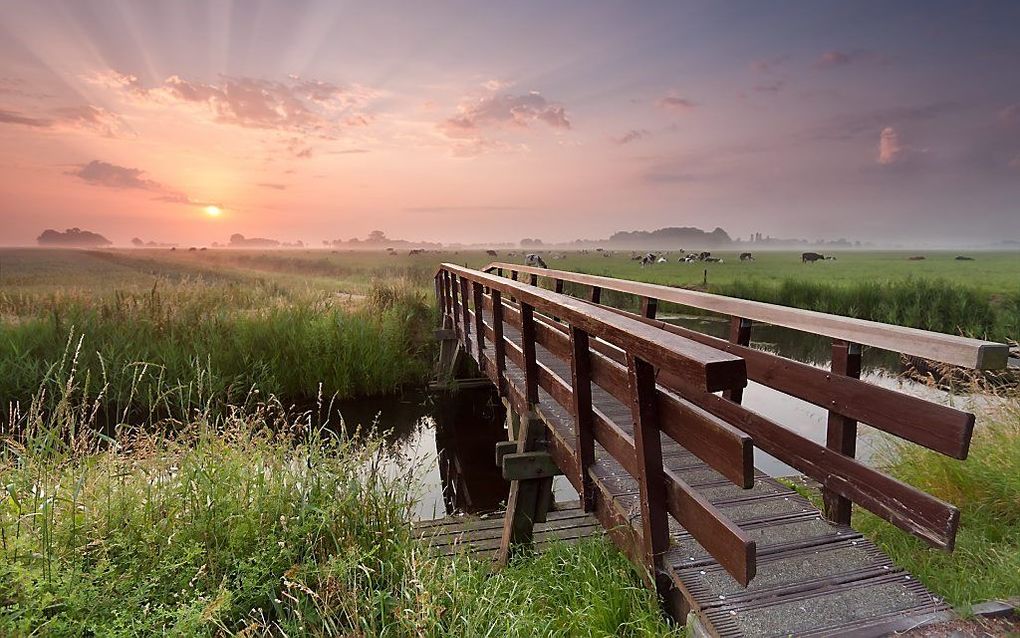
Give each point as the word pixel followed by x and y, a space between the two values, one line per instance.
pixel 665 465
pixel 969 353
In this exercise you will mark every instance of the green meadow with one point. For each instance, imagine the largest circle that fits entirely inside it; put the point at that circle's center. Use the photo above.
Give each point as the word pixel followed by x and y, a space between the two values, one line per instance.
pixel 167 469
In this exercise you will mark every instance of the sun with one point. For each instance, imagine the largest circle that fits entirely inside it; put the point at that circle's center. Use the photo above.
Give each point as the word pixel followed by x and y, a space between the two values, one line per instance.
pixel 213 211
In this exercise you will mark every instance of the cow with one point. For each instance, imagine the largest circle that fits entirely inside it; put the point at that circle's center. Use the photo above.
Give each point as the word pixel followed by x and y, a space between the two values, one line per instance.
pixel 963 258
pixel 746 257
pixel 491 253
pixel 649 259
pixel 916 258
pixel 534 260
pixel 810 258
pixel 713 260
pixel 416 251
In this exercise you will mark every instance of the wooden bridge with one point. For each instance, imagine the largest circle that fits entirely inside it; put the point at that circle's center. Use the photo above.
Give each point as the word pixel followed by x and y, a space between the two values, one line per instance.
pixel 645 420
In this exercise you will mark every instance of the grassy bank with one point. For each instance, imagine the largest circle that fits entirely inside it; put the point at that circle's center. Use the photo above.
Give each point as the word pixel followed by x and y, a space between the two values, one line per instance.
pixel 986 487
pixel 261 523
pixel 220 341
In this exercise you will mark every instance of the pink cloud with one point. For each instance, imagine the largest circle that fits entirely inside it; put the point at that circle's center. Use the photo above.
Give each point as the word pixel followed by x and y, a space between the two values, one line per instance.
pixel 675 103
pixel 1010 114
pixel 84 118
pixel 506 111
pixel 890 148
pixel 831 59
pixel 631 136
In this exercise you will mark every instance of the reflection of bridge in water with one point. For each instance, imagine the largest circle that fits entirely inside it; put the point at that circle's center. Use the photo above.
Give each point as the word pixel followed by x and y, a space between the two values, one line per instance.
pixel 645 420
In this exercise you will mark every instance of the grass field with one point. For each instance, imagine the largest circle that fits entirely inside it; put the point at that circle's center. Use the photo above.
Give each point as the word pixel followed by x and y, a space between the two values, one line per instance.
pixel 155 483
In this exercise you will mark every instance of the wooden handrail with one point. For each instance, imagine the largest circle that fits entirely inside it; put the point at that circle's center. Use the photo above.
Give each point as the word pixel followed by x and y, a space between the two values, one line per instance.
pixel 709 367
pixel 961 351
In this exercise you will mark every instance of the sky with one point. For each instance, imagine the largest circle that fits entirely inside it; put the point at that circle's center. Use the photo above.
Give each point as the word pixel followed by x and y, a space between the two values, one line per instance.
pixel 891 122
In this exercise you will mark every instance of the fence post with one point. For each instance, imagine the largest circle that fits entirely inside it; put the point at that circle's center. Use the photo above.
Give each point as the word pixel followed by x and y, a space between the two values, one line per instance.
pixel 740 334
pixel 584 437
pixel 652 480
pixel 455 289
pixel 464 309
pixel 559 287
pixel 533 280
pixel 649 305
pixel 529 499
pixel 476 289
pixel 497 341
pixel 596 294
pixel 841 435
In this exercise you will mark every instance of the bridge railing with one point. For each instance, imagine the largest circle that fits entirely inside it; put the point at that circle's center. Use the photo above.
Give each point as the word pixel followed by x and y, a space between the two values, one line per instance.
pixel 481 307
pixel 849 400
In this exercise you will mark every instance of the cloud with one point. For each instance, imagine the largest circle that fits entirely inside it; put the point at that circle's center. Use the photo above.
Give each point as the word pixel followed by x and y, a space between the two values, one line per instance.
pixel 848 126
pixel 503 111
pixel 1010 114
pixel 107 175
pixel 766 65
pixel 1015 162
pixel 890 148
pixel 295 105
pixel 458 209
pixel 831 59
pixel 631 136
pixel 84 117
pixel 278 187
pixel 770 87
pixel 675 103
pixel 12 117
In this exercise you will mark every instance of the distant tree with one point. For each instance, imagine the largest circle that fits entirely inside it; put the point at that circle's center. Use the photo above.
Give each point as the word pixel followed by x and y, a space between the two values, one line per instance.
pixel 72 237
pixel 137 242
pixel 376 236
pixel 530 243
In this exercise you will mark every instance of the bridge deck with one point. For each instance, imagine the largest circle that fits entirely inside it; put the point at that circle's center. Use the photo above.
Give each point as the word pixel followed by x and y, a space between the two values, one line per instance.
pixel 813 577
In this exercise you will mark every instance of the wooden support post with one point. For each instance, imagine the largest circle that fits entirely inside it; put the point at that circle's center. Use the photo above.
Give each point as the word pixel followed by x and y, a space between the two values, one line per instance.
pixel 464 309
pixel 533 280
pixel 529 499
pixel 559 287
pixel 842 432
pixel 476 290
pixel 584 419
pixel 448 293
pixel 440 302
pixel 648 307
pixel 455 288
pixel 499 272
pixel 740 334
pixel 651 479
pixel 498 345
pixel 596 294
pixel 513 275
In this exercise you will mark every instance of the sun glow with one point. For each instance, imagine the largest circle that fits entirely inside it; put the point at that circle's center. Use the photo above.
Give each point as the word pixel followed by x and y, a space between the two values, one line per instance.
pixel 213 211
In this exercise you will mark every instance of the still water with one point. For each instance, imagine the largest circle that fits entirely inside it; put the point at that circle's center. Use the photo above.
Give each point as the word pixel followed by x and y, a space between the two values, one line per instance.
pixel 451 437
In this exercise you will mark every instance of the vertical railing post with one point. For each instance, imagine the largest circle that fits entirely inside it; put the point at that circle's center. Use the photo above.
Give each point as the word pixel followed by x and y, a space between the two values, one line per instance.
pixel 559 287
pixel 740 334
pixel 529 499
pixel 649 305
pixel 447 292
pixel 440 302
pixel 476 290
pixel 652 480
pixel 465 310
pixel 842 432
pixel 497 341
pixel 584 420
pixel 456 305
pixel 533 280
pixel 596 294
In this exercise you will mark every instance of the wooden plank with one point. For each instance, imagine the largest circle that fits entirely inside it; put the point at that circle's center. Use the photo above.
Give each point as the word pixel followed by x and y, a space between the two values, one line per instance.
pixel 499 346
pixel 841 432
pixel 937 427
pixel 961 351
pixel 584 417
pixel 476 291
pixel 706 367
pixel 650 478
pixel 520 466
pixel 740 334
pixel 464 308
pixel 904 506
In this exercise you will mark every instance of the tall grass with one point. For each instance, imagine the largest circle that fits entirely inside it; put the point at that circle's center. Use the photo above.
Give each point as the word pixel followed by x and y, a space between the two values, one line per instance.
pixel 986 487
pixel 929 304
pixel 259 521
pixel 228 340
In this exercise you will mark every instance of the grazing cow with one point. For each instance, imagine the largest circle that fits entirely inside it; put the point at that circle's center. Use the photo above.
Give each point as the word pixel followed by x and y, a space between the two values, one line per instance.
pixel 491 253
pixel 810 258
pixel 534 260
pixel 916 258
pixel 649 259
pixel 964 258
pixel 746 257
pixel 712 260
pixel 416 251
